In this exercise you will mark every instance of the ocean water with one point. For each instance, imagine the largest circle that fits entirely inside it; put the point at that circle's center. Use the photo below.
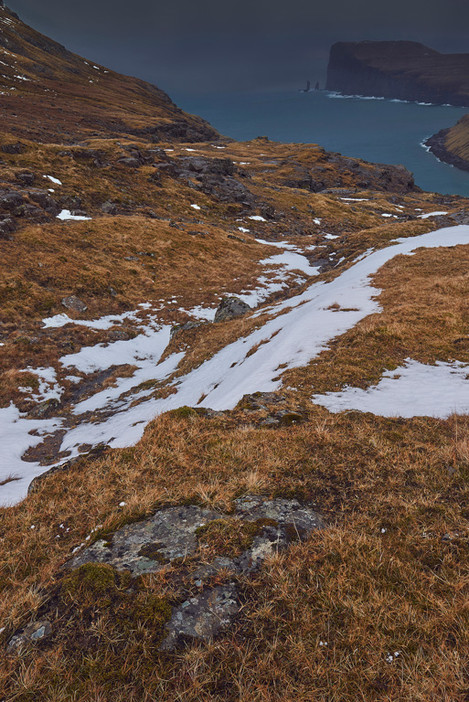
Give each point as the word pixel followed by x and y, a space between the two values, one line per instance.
pixel 383 131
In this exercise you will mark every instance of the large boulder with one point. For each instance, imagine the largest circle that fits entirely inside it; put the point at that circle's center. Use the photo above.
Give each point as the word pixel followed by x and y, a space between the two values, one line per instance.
pixel 230 308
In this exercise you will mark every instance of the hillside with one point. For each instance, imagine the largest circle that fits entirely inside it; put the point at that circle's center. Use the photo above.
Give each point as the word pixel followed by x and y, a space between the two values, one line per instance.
pixel 452 145
pixel 233 407
pixel 401 70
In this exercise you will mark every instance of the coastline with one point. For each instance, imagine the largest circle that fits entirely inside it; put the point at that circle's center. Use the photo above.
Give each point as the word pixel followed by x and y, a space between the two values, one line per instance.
pixel 436 145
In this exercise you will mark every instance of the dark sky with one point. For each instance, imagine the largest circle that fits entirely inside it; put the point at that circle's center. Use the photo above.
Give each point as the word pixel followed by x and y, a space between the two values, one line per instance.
pixel 195 46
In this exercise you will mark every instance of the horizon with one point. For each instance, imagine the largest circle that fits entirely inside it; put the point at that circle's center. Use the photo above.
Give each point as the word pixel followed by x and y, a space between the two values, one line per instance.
pixel 262 47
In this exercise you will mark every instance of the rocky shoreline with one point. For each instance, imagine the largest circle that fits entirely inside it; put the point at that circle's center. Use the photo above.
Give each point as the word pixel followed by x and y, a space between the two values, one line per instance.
pixel 437 145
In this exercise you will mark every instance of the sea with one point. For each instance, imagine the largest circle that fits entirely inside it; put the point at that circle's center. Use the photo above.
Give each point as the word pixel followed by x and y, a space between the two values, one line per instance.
pixel 374 129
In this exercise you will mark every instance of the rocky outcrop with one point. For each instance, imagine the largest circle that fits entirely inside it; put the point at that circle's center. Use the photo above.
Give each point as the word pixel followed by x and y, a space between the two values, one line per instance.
pixel 402 70
pixel 210 552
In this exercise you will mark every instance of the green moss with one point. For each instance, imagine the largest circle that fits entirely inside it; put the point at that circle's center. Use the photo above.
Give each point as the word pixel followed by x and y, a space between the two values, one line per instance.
pixel 183 413
pixel 153 552
pixel 96 579
pixel 291 418
pixel 230 537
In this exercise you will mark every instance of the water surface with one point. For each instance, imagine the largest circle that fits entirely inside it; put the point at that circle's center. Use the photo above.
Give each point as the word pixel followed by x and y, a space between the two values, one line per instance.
pixel 378 130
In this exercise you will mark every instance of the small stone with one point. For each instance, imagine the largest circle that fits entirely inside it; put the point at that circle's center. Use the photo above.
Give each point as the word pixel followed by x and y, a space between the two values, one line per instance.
pixel 74 303
pixel 31 634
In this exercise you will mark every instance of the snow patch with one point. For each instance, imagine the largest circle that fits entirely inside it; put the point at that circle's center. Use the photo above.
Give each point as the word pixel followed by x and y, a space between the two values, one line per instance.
pixel 413 390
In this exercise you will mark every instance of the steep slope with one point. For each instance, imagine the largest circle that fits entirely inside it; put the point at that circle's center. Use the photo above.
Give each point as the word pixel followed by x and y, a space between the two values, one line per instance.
pixel 401 70
pixel 63 96
pixel 452 145
pixel 253 545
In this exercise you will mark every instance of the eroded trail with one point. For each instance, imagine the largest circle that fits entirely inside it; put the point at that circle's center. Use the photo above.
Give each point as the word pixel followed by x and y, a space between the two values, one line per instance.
pixel 292 333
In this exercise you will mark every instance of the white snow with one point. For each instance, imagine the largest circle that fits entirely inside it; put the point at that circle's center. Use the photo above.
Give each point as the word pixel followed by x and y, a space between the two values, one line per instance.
pixel 432 214
pixel 54 180
pixel 48 386
pixel 278 244
pixel 355 199
pixel 15 439
pixel 316 220
pixel 67 215
pixel 331 236
pixel 296 331
pixel 292 261
pixel 195 207
pixel 60 320
pixel 244 230
pixel 258 218
pixel 413 390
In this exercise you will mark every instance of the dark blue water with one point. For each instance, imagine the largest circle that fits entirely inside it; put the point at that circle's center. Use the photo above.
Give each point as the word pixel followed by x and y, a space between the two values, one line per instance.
pixel 375 130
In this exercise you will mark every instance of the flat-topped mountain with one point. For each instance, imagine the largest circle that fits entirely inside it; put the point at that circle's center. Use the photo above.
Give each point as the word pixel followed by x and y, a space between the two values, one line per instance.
pixel 62 93
pixel 403 70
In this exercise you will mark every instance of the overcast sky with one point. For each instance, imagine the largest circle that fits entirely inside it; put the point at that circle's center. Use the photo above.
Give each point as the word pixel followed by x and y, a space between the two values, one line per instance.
pixel 199 46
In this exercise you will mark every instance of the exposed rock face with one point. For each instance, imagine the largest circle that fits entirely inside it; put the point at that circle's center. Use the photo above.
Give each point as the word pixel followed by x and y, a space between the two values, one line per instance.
pixel 402 70
pixel 231 307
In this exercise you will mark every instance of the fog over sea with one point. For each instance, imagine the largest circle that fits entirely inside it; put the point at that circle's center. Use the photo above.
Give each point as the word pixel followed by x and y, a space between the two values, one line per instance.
pixel 383 131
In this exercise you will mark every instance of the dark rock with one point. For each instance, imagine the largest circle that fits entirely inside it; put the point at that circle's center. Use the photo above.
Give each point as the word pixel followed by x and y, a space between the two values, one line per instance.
pixel 26 178
pixel 212 166
pixel 30 212
pixel 185 327
pixel 74 303
pixel 45 409
pixel 7 227
pixel 461 217
pixel 31 634
pixel 130 161
pixel 10 200
pixel 109 207
pixel 44 200
pixel 17 148
pixel 231 307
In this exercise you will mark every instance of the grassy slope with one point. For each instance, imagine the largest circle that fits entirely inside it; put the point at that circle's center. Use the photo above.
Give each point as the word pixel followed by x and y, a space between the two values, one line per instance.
pixel 389 574
pixel 457 139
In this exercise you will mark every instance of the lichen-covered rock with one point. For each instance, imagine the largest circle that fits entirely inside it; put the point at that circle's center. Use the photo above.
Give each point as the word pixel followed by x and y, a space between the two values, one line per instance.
pixel 203 616
pixel 230 308
pixel 144 547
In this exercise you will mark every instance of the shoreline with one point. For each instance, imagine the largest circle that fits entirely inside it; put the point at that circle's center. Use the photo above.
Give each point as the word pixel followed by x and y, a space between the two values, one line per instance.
pixel 436 145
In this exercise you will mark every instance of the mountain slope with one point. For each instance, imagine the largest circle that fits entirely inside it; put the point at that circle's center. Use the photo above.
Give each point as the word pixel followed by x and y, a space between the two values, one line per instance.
pixel 253 545
pixel 401 70
pixel 64 95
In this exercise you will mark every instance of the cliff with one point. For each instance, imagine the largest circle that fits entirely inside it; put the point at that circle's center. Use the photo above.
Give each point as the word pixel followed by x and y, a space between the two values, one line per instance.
pixel 401 70
pixel 452 145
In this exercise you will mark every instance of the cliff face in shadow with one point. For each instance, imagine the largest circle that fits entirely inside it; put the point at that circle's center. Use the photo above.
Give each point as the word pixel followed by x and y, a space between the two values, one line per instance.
pixel 401 70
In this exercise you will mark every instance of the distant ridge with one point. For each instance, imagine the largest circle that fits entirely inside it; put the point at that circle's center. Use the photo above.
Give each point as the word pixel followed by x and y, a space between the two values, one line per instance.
pixel 402 70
